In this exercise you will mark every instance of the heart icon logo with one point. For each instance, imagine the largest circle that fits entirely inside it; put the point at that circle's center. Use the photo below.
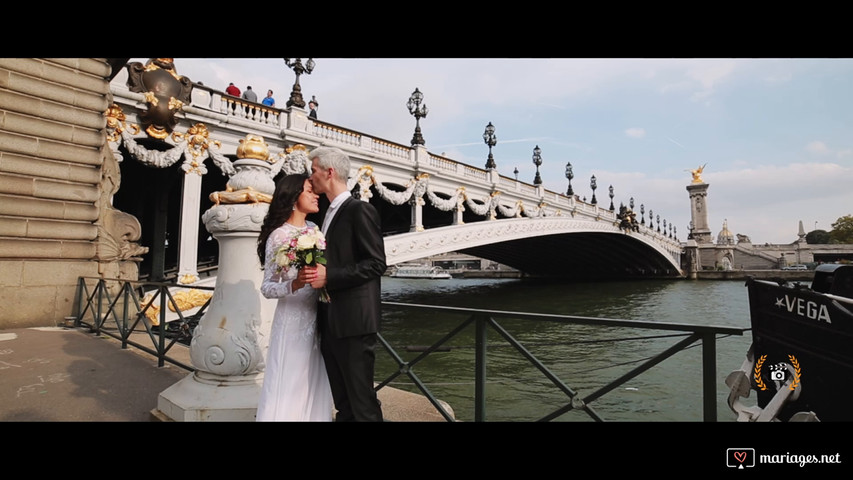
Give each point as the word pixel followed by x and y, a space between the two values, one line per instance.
pixel 740 456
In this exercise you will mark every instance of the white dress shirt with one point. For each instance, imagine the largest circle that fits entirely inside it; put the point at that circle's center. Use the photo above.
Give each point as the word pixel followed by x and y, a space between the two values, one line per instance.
pixel 333 208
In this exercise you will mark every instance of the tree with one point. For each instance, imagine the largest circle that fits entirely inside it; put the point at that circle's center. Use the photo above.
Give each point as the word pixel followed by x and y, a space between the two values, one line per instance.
pixel 816 237
pixel 842 230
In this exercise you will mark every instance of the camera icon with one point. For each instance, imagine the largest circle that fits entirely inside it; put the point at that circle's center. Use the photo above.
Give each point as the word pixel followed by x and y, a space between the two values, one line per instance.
pixel 777 372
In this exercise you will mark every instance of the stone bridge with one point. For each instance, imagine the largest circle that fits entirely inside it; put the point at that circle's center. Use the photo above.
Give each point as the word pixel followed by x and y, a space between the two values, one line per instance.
pixel 430 204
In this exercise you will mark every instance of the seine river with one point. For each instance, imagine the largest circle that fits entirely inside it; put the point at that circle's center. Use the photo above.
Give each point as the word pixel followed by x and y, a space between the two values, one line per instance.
pixel 585 358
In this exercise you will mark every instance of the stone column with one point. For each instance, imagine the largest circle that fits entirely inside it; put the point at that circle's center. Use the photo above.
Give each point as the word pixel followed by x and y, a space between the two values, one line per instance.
pixel 699 212
pixel 188 255
pixel 417 204
pixel 229 344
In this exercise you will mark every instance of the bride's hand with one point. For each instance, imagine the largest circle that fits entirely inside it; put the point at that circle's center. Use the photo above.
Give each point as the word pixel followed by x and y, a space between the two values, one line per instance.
pixel 304 277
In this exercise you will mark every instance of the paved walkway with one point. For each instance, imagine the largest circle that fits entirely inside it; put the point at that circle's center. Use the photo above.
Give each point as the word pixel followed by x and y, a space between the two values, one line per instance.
pixel 60 374
pixel 71 375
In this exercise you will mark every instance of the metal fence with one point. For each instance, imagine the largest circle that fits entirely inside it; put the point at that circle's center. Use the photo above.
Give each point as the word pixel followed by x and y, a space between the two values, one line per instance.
pixel 120 308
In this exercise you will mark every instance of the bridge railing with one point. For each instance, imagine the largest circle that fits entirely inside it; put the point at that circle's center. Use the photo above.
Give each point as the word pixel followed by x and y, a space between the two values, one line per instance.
pixel 266 117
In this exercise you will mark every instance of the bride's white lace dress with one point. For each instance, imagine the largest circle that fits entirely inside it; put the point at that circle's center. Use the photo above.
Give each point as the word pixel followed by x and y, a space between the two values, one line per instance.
pixel 296 387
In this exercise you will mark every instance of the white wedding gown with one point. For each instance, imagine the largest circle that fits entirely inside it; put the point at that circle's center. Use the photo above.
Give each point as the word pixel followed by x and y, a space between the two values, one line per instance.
pixel 296 386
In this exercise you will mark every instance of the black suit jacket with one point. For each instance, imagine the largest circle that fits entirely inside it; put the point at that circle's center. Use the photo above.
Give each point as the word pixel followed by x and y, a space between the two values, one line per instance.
pixel 355 262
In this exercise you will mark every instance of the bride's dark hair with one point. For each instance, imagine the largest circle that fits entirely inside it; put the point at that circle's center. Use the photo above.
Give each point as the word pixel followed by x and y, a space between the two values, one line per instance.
pixel 287 191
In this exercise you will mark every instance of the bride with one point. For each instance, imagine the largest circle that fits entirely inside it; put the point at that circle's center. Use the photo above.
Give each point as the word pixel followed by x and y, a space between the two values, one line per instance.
pixel 296 386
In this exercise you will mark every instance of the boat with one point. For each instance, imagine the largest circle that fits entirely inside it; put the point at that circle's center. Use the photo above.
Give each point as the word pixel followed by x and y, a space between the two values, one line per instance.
pixel 800 363
pixel 420 271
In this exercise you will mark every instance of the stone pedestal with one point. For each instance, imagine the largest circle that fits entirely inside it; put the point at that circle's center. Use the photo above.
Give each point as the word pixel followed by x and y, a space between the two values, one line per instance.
pixel 230 342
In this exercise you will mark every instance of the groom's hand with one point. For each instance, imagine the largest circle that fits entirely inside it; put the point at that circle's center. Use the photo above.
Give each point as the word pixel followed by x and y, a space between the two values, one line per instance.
pixel 320 277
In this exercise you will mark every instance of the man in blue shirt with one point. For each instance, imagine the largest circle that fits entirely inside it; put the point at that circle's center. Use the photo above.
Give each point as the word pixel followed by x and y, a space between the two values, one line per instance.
pixel 268 100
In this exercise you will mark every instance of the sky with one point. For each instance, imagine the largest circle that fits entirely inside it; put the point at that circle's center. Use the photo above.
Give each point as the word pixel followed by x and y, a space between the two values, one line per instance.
pixel 775 135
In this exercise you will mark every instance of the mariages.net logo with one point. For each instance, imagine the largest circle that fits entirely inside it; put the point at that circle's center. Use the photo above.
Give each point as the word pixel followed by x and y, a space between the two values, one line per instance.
pixel 742 458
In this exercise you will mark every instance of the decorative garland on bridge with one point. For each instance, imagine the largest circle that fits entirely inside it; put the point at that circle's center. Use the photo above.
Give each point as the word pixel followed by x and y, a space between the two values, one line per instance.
pixel 195 147
pixel 418 187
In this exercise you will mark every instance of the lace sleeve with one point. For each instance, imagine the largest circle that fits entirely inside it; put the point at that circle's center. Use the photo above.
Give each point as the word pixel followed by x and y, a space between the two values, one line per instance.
pixel 276 284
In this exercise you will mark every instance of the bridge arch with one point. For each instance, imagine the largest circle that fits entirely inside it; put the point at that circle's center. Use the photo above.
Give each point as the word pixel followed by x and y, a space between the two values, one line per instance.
pixel 546 246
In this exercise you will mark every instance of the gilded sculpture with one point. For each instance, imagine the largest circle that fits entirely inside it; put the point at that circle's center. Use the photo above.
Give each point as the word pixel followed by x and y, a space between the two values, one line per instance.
pixel 164 90
pixel 697 174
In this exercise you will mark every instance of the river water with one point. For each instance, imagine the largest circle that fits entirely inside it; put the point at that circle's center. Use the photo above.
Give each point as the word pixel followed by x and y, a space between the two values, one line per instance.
pixel 584 357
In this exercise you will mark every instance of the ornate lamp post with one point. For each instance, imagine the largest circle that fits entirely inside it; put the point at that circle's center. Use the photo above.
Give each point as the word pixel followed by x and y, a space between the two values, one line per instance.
pixel 593 186
pixel 611 198
pixel 643 213
pixel 516 173
pixel 296 65
pixel 569 177
pixel 491 140
pixel 664 227
pixel 658 222
pixel 631 203
pixel 419 112
pixel 537 160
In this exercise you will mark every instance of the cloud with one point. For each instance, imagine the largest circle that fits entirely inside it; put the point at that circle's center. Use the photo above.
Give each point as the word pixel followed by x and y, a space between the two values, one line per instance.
pixel 636 132
pixel 817 147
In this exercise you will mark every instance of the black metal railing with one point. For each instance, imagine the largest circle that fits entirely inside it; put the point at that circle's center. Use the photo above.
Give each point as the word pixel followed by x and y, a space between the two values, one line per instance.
pixel 483 320
pixel 114 307
pixel 119 308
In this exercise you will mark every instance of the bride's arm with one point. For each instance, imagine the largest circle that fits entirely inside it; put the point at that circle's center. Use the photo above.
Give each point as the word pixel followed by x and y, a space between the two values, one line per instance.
pixel 277 284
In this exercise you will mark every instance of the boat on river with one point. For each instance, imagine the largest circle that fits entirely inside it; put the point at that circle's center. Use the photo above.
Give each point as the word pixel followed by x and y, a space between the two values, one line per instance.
pixel 800 363
pixel 420 271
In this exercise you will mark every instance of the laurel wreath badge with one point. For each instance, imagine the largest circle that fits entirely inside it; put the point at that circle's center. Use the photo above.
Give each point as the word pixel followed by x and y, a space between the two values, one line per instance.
pixel 796 366
pixel 759 382
pixel 757 375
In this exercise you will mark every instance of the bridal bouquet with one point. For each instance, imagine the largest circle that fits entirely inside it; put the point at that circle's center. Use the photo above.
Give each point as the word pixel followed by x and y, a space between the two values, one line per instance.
pixel 306 248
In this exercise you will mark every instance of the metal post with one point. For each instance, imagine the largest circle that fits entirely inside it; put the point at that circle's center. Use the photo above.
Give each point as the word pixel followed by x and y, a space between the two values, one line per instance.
pixel 709 377
pixel 480 370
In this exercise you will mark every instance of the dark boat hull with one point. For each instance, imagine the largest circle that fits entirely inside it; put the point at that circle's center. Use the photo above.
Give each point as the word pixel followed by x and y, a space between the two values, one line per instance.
pixel 811 331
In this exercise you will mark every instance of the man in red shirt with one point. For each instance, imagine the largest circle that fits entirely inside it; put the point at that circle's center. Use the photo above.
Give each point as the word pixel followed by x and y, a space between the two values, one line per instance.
pixel 234 92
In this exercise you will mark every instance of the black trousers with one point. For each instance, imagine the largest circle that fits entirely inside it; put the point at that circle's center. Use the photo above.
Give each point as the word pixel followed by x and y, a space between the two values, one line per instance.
pixel 350 366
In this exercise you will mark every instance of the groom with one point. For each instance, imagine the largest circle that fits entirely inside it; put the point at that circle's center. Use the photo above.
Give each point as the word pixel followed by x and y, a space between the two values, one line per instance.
pixel 355 262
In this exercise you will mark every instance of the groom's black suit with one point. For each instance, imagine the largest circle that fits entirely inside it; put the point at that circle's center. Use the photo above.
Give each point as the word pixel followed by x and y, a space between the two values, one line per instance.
pixel 355 262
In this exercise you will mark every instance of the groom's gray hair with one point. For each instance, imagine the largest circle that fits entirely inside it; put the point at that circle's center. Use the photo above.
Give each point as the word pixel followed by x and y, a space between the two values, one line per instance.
pixel 331 157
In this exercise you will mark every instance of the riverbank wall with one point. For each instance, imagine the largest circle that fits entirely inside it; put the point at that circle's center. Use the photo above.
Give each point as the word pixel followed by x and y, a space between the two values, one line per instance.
pixel 789 275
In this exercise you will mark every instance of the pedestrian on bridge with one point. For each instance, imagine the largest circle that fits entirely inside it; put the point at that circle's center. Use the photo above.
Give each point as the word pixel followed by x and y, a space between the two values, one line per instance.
pixel 312 105
pixel 251 96
pixel 268 101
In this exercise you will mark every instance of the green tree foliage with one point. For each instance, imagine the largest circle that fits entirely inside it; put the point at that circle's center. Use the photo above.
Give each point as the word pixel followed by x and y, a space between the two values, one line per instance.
pixel 842 230
pixel 816 237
